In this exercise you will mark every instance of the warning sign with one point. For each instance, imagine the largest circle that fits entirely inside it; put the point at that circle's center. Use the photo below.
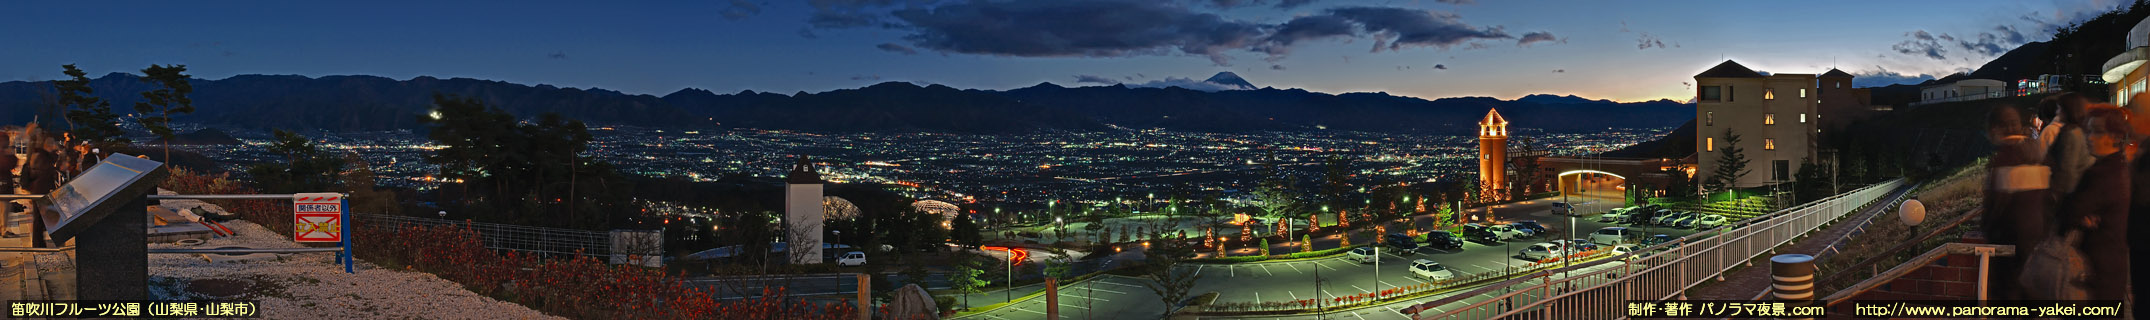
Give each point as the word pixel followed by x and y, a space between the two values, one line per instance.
pixel 318 217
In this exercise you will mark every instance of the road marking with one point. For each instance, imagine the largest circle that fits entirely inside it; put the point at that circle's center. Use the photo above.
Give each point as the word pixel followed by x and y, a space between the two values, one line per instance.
pixel 1119 284
pixel 1026 310
pixel 993 316
pixel 1257 297
pixel 1198 270
pixel 1234 270
pixel 1356 314
pixel 1073 306
pixel 1114 292
pixel 1361 288
pixel 1265 269
pixel 1324 265
pixel 1386 283
pixel 1294 296
pixel 1326 291
pixel 1294 267
pixel 1392 309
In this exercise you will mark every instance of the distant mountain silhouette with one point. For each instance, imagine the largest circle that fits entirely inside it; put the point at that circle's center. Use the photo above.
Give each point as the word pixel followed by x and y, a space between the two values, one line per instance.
pixel 365 103
pixel 1674 145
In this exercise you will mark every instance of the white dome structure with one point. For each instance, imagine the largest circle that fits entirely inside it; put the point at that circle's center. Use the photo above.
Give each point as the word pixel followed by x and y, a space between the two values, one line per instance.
pixel 947 211
pixel 833 208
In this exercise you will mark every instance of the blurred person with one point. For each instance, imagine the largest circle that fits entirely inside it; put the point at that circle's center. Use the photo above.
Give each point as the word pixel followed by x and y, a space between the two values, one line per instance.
pixel 2015 207
pixel 2067 151
pixel 2098 209
pixel 88 158
pixel 40 175
pixel 7 185
pixel 2042 127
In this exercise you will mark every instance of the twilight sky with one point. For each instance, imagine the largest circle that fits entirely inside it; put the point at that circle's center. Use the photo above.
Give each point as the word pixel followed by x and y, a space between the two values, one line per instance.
pixel 1625 51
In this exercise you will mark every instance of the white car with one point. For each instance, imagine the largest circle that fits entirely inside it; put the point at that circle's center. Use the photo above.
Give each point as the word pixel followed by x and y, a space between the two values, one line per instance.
pixel 1619 214
pixel 1542 251
pixel 1506 232
pixel 1624 249
pixel 1711 221
pixel 1361 255
pixel 851 259
pixel 1431 270
pixel 1613 235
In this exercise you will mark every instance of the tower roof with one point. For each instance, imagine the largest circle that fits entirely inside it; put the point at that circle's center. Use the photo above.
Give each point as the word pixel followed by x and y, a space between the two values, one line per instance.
pixel 1729 69
pixel 1493 117
pixel 803 172
pixel 1834 73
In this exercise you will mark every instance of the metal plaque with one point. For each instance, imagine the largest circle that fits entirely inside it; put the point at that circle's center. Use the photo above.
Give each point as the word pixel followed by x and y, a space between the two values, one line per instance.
pixel 99 192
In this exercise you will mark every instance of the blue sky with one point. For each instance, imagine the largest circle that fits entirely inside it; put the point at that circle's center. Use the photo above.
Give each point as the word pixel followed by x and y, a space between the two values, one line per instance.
pixel 1621 50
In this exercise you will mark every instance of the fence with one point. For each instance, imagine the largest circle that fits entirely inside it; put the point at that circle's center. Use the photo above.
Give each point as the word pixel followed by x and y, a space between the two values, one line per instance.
pixel 1345 302
pixel 551 241
pixel 1668 273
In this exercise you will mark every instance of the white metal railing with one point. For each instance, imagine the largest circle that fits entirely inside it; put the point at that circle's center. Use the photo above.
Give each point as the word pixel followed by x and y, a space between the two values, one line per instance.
pixel 1967 97
pixel 1666 272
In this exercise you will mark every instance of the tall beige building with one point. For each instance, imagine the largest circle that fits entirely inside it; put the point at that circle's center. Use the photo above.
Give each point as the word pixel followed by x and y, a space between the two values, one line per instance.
pixel 1773 115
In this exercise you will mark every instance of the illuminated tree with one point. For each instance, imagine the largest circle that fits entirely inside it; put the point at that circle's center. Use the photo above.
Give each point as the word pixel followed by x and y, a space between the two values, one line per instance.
pixel 1731 166
pixel 1306 243
pixel 1265 247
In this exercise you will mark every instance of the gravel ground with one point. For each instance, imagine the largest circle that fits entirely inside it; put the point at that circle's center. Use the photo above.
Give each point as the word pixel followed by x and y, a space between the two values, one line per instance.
pixel 313 286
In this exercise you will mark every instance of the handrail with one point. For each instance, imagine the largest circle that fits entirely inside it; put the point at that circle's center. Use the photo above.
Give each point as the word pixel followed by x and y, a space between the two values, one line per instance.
pixel 1913 264
pixel 221 197
pixel 1899 247
pixel 1696 258
pixel 249 250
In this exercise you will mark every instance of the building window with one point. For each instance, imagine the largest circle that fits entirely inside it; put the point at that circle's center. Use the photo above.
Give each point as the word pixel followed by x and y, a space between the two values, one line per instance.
pixel 1781 171
pixel 1729 96
pixel 1839 85
pixel 1769 118
pixel 1802 92
pixel 1769 144
pixel 1710 93
pixel 1709 118
pixel 1803 117
pixel 1769 93
pixel 1709 144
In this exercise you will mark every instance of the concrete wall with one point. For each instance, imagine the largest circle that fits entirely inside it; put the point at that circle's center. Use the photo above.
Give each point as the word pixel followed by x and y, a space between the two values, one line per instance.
pixel 1952 278
pixel 1744 111
pixel 802 214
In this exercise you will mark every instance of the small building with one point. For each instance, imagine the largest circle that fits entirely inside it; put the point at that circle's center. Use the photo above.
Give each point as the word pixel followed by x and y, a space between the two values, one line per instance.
pixel 2125 71
pixel 1772 115
pixel 1963 90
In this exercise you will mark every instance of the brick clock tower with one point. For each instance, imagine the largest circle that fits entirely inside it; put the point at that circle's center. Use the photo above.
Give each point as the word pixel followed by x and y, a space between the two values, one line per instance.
pixel 1493 157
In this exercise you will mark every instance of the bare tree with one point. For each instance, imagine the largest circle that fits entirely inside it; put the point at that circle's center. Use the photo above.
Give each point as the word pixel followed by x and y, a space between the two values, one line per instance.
pixel 1161 268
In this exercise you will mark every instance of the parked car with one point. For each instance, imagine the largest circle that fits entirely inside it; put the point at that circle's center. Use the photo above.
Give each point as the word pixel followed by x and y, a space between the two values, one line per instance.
pixel 1617 214
pixel 1476 232
pixel 1543 250
pixel 1689 221
pixel 1647 216
pixel 1670 219
pixel 1531 225
pixel 1613 235
pixel 1711 222
pixel 1508 233
pixel 1399 241
pixel 1431 270
pixel 1443 240
pixel 1624 251
pixel 1654 240
pixel 1580 245
pixel 1562 208
pixel 1361 255
pixel 851 259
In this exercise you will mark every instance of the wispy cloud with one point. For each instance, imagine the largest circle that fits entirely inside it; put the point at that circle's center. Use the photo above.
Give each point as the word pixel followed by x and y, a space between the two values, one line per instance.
pixel 1084 78
pixel 897 48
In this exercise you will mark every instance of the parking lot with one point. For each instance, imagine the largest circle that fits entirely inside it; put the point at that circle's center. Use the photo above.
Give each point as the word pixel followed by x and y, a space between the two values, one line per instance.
pixel 1104 297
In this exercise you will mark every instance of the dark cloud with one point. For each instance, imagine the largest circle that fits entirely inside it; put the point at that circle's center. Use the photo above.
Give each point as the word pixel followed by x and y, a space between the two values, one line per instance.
pixel 808 33
pixel 557 55
pixel 1084 78
pixel 891 47
pixel 1457 1
pixel 1536 37
pixel 867 77
pixel 1075 29
pixel 831 19
pixel 1391 28
pixel 1440 67
pixel 1276 67
pixel 1560 70
pixel 1881 77
pixel 850 4
pixel 1288 4
pixel 1228 4
pixel 739 9
pixel 1995 41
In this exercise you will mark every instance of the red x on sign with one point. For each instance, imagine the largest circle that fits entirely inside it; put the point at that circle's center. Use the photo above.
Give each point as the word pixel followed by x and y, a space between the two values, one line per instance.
pixel 317 217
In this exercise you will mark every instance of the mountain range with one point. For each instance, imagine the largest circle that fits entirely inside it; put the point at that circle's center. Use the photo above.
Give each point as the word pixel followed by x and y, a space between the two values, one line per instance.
pixel 368 103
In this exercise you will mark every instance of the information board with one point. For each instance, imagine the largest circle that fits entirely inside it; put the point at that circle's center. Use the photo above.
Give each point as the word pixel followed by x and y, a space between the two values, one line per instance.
pixel 318 217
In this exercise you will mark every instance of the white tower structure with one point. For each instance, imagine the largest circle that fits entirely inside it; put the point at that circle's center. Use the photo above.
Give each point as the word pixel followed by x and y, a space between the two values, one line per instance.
pixel 802 213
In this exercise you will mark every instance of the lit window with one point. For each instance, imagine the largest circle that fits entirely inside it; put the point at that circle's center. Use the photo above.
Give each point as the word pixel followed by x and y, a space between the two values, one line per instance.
pixel 1769 118
pixel 1769 93
pixel 1803 117
pixel 1710 144
pixel 1802 92
pixel 1769 144
pixel 1840 85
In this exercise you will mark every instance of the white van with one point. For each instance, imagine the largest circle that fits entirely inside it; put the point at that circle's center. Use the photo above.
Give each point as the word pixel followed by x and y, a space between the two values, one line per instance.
pixel 1431 270
pixel 1361 255
pixel 1613 235
pixel 851 259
